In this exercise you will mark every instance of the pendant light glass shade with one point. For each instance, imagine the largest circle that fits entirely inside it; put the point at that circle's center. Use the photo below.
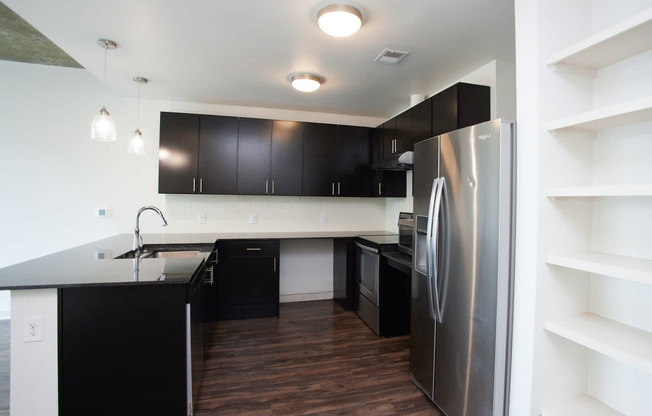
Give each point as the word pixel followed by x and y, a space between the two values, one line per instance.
pixel 103 127
pixel 137 144
pixel 339 20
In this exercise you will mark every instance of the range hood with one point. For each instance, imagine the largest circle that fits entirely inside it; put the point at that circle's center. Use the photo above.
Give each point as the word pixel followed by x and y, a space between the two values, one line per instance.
pixel 397 161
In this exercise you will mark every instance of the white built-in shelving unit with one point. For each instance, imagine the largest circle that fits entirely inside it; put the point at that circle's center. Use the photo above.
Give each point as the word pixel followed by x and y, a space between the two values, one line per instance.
pixel 595 281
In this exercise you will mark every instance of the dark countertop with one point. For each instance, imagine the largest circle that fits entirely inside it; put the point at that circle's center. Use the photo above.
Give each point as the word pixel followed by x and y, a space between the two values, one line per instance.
pixel 79 266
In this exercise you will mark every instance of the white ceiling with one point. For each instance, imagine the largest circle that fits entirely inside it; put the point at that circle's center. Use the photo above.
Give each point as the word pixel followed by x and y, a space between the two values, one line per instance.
pixel 240 52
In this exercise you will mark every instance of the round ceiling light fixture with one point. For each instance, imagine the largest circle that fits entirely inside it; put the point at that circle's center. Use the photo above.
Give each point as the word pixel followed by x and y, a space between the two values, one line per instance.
pixel 305 82
pixel 339 20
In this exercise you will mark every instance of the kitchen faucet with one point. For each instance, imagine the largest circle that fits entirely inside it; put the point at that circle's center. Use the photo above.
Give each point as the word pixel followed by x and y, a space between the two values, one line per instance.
pixel 138 240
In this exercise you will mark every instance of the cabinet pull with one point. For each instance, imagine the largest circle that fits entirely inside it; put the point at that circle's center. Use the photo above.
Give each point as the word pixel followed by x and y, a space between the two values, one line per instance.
pixel 380 188
pixel 332 188
pixel 272 187
pixel 338 188
pixel 266 186
pixel 201 185
pixel 274 264
pixel 253 249
pixel 193 184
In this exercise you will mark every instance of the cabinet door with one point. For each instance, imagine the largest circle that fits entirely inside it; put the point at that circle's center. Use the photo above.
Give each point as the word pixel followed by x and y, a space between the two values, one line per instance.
pixel 473 104
pixel 389 137
pixel 218 154
pixel 247 284
pixel 254 154
pixel 404 134
pixel 444 111
pixel 177 157
pixel 353 161
pixel 319 159
pixel 287 158
pixel 421 122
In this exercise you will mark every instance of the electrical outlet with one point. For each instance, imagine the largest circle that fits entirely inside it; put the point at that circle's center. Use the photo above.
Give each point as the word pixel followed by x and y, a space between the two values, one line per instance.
pixel 201 218
pixel 323 218
pixel 253 219
pixel 33 329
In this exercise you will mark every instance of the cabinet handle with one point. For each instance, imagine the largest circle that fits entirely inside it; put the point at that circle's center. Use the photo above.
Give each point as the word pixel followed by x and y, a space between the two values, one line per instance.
pixel 274 264
pixel 253 249
pixel 380 188
pixel 332 188
pixel 338 188
pixel 193 184
pixel 272 187
pixel 266 186
pixel 201 185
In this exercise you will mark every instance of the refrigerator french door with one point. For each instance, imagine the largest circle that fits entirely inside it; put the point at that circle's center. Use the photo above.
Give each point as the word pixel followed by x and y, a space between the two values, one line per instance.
pixel 463 269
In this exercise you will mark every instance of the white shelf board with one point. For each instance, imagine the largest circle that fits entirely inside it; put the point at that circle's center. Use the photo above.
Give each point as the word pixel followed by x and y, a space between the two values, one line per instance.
pixel 583 405
pixel 621 342
pixel 621 267
pixel 621 41
pixel 611 116
pixel 598 191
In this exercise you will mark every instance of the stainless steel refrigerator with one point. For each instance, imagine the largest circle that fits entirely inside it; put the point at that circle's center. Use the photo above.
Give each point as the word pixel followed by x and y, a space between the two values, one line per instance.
pixel 463 268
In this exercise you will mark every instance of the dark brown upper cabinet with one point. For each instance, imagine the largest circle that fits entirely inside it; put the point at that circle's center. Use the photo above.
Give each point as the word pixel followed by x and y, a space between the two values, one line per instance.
pixel 319 159
pixel 461 105
pixel 254 155
pixel 389 136
pixel 353 161
pixel 218 150
pixel 178 149
pixel 197 154
pixel 287 158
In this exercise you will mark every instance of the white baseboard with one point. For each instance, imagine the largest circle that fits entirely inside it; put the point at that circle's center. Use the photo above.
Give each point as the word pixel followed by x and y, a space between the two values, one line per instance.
pixel 302 297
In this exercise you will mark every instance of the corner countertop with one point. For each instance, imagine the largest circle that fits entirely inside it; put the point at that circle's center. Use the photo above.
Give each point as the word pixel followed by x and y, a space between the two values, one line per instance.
pixel 79 266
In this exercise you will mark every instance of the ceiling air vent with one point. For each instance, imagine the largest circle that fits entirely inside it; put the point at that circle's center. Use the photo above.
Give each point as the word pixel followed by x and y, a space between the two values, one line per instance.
pixel 389 56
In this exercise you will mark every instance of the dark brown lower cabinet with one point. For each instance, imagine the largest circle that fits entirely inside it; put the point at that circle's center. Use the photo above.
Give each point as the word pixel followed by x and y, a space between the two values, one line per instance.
pixel 344 272
pixel 247 280
pixel 122 350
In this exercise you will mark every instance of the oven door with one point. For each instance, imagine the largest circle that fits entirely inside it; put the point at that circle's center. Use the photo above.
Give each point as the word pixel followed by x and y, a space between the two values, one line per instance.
pixel 367 273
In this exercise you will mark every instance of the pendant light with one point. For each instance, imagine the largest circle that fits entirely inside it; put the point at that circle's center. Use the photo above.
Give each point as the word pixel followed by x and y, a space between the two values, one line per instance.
pixel 339 20
pixel 137 143
pixel 103 126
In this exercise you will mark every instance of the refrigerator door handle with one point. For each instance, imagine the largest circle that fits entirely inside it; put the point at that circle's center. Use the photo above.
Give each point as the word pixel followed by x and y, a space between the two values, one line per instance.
pixel 429 257
pixel 437 226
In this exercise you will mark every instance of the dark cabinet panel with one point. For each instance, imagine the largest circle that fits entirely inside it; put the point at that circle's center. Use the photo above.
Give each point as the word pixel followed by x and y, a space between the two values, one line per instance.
pixel 421 122
pixel 247 282
pixel 389 136
pixel 319 159
pixel 287 158
pixel 218 154
pixel 404 134
pixel 343 272
pixel 178 148
pixel 460 106
pixel 353 161
pixel 122 350
pixel 254 155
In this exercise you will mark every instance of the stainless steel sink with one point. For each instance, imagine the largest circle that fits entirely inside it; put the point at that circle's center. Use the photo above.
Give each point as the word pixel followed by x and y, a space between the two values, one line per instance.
pixel 167 251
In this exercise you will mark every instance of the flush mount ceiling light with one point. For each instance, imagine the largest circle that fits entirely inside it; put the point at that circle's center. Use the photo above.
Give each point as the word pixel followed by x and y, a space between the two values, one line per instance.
pixel 305 82
pixel 103 126
pixel 137 143
pixel 339 20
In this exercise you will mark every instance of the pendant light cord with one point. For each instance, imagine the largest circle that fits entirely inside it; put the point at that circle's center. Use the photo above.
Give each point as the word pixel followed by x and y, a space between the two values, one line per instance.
pixel 138 109
pixel 104 74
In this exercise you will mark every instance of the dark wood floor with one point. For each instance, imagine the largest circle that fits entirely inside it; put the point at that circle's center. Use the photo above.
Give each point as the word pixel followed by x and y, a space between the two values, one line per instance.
pixel 315 359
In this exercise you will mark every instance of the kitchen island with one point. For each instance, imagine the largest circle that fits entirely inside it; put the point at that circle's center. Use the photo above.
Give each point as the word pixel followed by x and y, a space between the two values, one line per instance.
pixel 90 272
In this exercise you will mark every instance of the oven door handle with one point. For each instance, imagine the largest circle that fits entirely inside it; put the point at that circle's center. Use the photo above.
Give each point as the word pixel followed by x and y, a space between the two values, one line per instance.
pixel 366 248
